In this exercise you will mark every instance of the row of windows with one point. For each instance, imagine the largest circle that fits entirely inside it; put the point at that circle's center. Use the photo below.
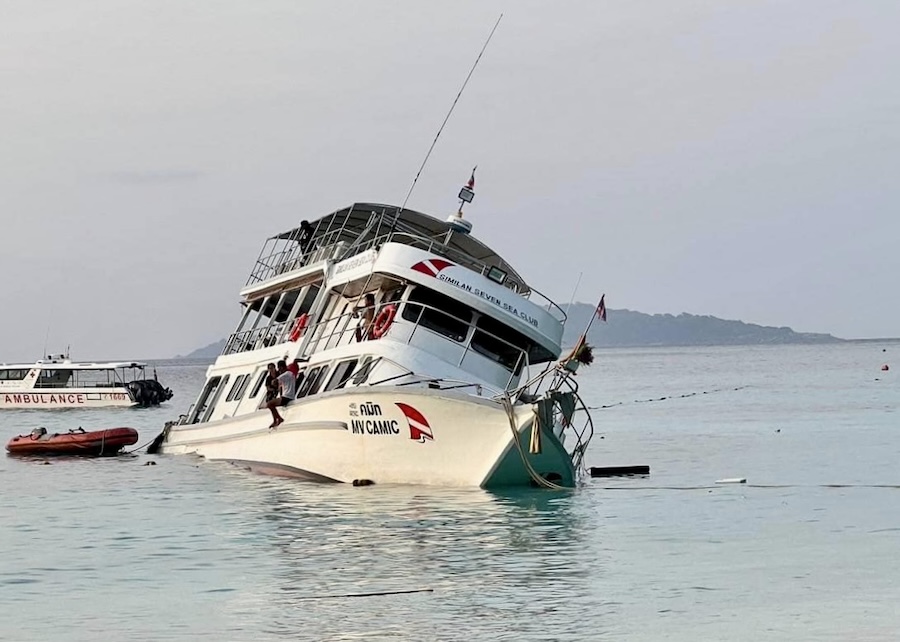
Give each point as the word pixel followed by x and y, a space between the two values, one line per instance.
pixel 309 382
pixel 452 319
pixel 66 378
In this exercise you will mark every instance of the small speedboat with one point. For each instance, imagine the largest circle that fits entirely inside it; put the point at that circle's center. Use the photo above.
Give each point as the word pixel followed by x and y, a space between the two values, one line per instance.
pixel 96 443
pixel 58 382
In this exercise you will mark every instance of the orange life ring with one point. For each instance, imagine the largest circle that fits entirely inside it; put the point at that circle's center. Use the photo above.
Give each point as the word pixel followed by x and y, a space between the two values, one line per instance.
pixel 299 327
pixel 383 321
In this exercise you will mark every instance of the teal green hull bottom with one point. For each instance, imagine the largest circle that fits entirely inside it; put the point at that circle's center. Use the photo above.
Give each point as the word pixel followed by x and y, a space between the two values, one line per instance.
pixel 552 463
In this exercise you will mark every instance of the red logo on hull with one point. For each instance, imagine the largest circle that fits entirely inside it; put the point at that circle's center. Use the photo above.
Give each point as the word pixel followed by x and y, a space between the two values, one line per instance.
pixel 419 430
pixel 431 267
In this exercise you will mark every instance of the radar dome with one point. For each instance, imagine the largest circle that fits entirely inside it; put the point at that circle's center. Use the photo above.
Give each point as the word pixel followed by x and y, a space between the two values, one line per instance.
pixel 459 224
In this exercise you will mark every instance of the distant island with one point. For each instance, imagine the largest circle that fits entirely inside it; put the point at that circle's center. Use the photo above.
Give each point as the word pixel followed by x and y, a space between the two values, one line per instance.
pixel 210 352
pixel 630 329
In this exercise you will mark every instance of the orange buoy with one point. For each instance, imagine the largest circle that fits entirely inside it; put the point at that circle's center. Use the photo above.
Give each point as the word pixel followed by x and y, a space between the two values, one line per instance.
pixel 383 321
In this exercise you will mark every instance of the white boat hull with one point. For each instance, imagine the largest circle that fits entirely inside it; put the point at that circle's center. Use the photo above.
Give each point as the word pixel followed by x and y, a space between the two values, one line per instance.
pixel 70 398
pixel 382 435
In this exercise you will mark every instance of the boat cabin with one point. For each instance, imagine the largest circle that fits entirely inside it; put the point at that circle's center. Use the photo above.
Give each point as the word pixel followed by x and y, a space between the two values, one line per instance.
pixel 61 373
pixel 372 294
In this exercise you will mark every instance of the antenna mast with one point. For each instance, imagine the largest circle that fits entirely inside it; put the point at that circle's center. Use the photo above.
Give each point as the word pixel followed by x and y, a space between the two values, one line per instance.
pixel 47 334
pixel 447 117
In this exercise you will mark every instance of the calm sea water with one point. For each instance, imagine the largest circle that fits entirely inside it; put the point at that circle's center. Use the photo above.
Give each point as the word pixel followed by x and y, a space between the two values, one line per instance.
pixel 807 549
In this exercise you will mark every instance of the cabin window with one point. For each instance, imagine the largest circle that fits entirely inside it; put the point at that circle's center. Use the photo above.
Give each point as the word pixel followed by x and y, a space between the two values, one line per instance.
pixel 259 382
pixel 439 313
pixel 507 351
pixel 342 372
pixel 362 373
pixel 312 382
pixel 209 397
pixel 298 381
pixel 320 379
pixel 53 378
pixel 235 387
pixel 243 388
pixel 94 378
pixel 12 375
pixel 215 398
pixel 306 381
pixel 209 389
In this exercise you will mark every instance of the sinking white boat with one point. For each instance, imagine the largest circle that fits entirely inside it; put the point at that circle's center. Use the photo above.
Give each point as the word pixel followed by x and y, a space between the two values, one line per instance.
pixel 456 382
pixel 58 382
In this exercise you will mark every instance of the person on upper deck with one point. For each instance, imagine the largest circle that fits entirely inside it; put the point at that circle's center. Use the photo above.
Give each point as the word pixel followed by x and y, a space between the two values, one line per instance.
pixel 286 393
pixel 304 238
pixel 366 312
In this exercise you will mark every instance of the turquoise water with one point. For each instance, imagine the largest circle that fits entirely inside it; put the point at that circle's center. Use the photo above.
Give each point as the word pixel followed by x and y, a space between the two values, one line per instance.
pixel 807 549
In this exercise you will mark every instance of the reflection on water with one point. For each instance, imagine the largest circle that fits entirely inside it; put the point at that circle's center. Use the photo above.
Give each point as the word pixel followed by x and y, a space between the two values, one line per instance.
pixel 491 560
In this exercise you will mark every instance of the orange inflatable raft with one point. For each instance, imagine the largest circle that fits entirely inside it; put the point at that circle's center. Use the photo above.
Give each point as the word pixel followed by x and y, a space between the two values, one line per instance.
pixel 75 442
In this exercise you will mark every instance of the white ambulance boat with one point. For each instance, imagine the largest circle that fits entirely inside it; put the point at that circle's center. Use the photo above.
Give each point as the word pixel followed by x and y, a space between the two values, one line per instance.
pixel 457 382
pixel 58 382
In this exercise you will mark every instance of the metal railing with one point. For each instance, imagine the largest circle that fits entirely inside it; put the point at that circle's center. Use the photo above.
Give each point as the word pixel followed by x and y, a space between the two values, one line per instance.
pixel 285 260
pixel 341 244
pixel 254 339
pixel 435 246
pixel 556 376
pixel 338 331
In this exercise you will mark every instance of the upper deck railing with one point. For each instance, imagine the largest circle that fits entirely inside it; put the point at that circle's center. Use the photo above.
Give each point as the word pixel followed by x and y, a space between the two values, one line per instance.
pixel 338 245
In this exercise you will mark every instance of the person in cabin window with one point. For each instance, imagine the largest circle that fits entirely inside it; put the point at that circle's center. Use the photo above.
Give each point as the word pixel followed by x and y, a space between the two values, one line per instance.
pixel 367 318
pixel 286 393
pixel 294 367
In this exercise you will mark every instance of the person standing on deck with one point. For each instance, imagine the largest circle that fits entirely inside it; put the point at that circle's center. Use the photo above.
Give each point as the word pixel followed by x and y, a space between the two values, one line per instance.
pixel 286 393
pixel 367 312
pixel 304 238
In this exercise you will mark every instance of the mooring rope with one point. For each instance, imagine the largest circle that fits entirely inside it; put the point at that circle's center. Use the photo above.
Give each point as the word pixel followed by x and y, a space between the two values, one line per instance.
pixel 537 477
pixel 667 398
pixel 131 452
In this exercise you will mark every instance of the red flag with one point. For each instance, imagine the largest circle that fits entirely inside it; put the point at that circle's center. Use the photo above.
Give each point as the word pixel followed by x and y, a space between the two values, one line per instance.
pixel 601 308
pixel 471 183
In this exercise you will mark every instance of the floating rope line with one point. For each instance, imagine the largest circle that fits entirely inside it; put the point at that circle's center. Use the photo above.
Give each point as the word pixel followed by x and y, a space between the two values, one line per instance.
pixel 669 398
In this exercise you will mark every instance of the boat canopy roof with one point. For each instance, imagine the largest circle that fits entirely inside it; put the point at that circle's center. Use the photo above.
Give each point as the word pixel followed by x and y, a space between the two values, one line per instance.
pixel 363 222
pixel 69 365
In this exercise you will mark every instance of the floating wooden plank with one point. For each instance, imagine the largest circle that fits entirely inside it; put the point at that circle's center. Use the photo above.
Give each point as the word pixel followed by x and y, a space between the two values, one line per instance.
pixel 618 471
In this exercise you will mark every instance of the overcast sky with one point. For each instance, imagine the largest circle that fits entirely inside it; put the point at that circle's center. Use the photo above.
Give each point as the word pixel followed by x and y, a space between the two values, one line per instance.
pixel 733 158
